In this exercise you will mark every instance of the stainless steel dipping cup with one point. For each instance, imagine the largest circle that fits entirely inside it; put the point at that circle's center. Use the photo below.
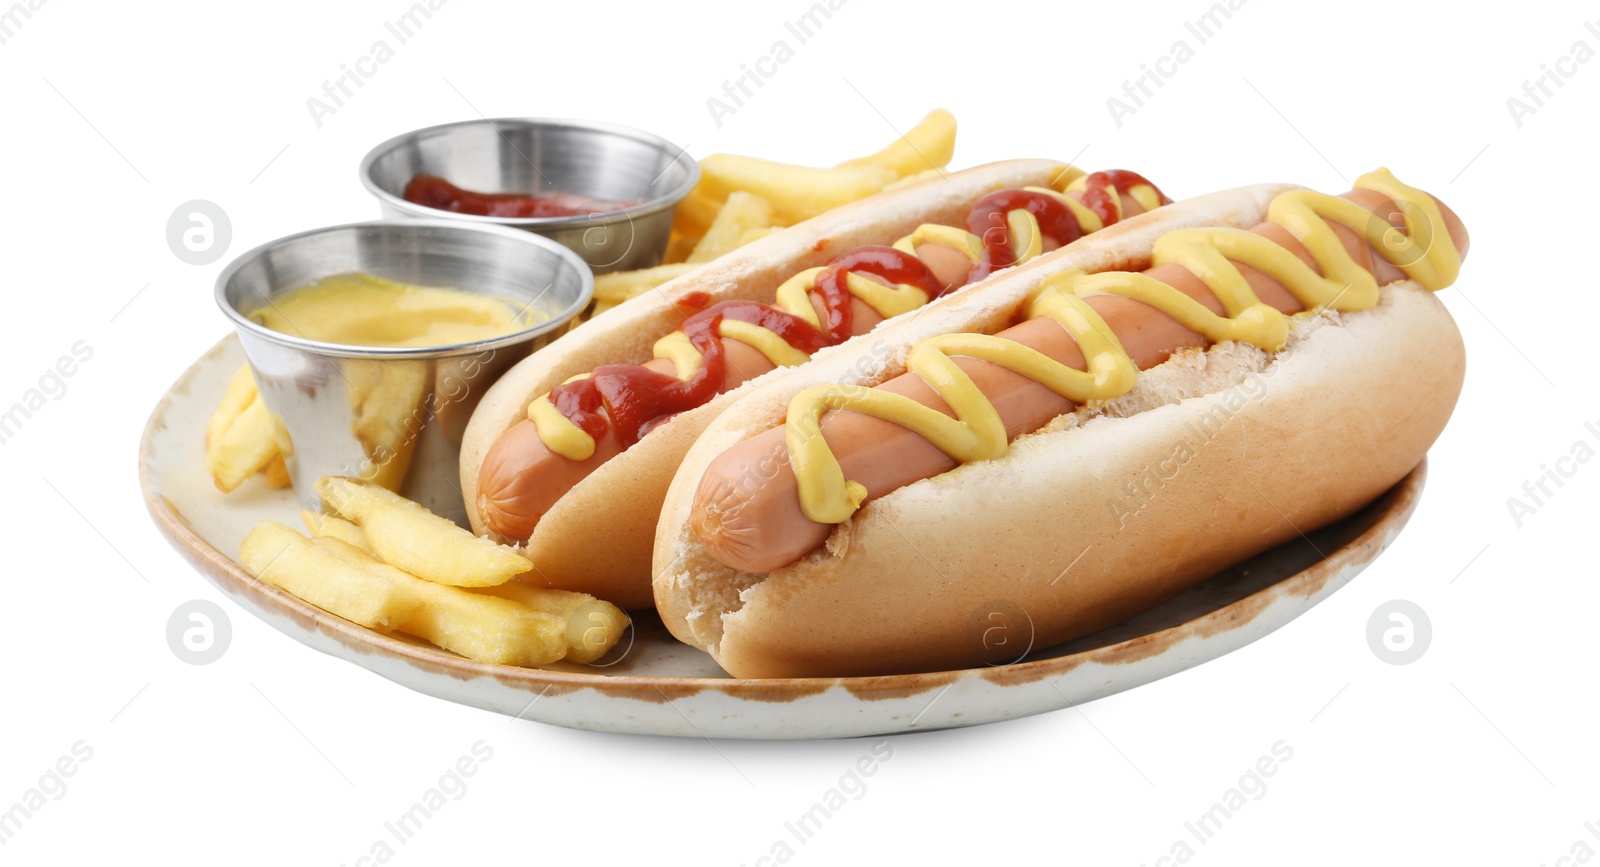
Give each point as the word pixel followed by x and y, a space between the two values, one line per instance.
pixel 394 415
pixel 531 155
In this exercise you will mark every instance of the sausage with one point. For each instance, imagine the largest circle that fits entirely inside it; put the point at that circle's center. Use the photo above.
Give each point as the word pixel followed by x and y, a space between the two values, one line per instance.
pixel 747 510
pixel 521 479
pixel 948 264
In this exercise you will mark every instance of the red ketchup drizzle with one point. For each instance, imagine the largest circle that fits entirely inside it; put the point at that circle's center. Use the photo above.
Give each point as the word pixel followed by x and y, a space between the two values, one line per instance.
pixel 987 219
pixel 694 300
pixel 637 398
pixel 892 265
pixel 1097 196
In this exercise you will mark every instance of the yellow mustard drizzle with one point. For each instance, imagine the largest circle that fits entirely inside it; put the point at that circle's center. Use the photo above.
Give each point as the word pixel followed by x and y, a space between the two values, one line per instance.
pixel 564 438
pixel 557 431
pixel 677 347
pixel 1022 226
pixel 1424 252
pixel 794 296
pixel 1087 219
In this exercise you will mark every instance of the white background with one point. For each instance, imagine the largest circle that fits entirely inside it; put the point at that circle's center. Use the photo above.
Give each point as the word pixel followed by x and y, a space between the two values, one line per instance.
pixel 1481 752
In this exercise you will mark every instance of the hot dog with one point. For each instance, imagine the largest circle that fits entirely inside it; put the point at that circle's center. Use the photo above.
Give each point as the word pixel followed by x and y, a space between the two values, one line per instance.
pixel 824 526
pixel 572 450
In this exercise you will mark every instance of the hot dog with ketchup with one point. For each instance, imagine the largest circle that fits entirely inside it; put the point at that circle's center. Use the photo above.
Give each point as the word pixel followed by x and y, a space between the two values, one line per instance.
pixel 838 524
pixel 572 450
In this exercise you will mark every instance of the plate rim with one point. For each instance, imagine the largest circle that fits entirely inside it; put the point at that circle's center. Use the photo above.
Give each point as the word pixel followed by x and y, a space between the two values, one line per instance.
pixel 231 578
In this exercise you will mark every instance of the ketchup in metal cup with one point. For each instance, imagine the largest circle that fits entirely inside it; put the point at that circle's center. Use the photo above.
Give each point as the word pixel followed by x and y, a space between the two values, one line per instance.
pixel 432 191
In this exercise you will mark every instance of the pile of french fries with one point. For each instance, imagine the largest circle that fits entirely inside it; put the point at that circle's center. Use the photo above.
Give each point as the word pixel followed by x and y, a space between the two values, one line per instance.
pixel 740 199
pixel 390 565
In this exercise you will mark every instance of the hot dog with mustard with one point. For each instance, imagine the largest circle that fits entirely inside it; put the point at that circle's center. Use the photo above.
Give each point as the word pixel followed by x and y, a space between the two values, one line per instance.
pixel 836 523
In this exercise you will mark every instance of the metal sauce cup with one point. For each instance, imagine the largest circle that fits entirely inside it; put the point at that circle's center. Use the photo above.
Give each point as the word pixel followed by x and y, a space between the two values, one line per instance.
pixel 529 155
pixel 394 415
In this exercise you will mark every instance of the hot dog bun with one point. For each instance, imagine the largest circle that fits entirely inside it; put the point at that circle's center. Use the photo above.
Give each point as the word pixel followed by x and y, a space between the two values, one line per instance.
pixel 1248 449
pixel 597 539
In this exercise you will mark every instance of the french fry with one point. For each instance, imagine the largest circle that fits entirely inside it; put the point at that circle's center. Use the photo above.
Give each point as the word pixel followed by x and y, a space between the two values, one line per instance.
pixel 619 286
pixel 694 214
pixel 242 437
pixel 241 391
pixel 593 626
pixel 335 527
pixel 796 192
pixel 678 248
pixel 740 213
pixel 246 447
pixel 409 536
pixel 285 559
pixel 927 146
pixel 481 628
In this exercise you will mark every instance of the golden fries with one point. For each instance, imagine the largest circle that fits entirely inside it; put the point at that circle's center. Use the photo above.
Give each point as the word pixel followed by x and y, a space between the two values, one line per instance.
pixel 678 249
pixel 283 558
pixel 241 391
pixel 245 448
pixel 615 288
pixel 482 628
pixel 418 541
pixel 622 285
pixel 740 213
pixel 335 527
pixel 592 625
pixel 792 193
pixel 796 192
pixel 339 571
pixel 694 214
pixel 928 146
pixel 243 438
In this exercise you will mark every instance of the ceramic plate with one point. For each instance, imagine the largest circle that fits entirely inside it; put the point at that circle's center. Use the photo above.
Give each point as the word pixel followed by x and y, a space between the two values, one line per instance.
pixel 653 685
